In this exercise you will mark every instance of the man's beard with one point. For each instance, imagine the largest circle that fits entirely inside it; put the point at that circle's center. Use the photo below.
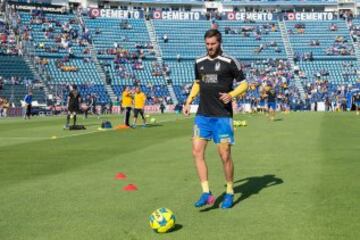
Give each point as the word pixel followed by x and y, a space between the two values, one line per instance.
pixel 216 53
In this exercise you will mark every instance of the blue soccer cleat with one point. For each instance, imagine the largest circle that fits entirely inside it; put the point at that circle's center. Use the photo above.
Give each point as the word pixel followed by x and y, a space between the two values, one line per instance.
pixel 228 201
pixel 205 198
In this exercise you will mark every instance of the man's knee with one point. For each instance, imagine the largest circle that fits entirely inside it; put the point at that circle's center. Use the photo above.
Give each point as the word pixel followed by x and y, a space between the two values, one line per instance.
pixel 198 149
pixel 225 157
pixel 225 152
pixel 197 152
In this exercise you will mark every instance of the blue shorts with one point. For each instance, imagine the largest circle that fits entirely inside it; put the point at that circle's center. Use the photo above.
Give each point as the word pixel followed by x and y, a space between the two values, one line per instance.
pixel 262 103
pixel 272 105
pixel 218 129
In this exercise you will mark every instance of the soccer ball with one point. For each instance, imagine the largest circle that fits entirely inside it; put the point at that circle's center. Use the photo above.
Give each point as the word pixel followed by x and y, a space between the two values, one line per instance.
pixel 237 123
pixel 162 220
pixel 240 123
pixel 153 120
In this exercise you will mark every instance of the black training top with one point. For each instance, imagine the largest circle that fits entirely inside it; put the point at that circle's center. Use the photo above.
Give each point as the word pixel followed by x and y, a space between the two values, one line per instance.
pixel 271 95
pixel 74 98
pixel 215 76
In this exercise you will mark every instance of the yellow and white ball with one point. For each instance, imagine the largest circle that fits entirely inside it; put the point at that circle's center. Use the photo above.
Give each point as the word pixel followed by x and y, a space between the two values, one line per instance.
pixel 162 220
pixel 153 120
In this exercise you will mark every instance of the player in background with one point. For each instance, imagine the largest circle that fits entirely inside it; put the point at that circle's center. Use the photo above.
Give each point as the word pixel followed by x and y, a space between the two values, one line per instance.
pixel 88 105
pixel 73 105
pixel 139 104
pixel 271 101
pixel 28 105
pixel 356 99
pixel 127 104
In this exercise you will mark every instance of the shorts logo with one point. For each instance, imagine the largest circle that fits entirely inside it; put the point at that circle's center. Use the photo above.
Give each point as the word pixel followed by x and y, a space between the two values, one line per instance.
pixel 224 135
pixel 217 66
pixel 225 140
pixel 196 132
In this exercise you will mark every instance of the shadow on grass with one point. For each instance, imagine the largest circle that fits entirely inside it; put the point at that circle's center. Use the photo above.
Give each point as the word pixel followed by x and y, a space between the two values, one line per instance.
pixel 248 187
pixel 277 120
pixel 150 125
pixel 176 228
pixel 92 124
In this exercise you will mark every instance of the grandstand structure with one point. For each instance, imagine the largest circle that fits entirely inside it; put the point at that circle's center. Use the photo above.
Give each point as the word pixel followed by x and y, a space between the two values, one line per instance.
pixel 104 46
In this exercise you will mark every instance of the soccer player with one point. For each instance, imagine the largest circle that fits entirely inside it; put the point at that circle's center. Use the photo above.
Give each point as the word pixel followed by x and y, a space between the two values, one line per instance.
pixel 271 102
pixel 4 105
pixel 93 106
pixel 28 105
pixel 262 102
pixel 88 107
pixel 214 77
pixel 126 104
pixel 73 105
pixel 139 104
pixel 357 103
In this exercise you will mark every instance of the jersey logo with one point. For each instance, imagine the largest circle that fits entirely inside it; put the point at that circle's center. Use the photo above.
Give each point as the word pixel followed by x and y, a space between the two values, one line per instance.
pixel 217 66
pixel 210 78
pixel 202 68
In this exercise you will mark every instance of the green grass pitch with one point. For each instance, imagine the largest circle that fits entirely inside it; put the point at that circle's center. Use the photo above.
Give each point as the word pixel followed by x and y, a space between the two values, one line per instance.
pixel 295 178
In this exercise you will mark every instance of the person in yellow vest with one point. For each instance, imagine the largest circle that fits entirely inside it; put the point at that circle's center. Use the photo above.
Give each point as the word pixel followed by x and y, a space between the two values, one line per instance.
pixel 139 104
pixel 127 104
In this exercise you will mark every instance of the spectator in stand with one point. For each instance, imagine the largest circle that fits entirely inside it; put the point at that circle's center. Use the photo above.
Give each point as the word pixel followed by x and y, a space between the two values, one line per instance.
pixel 165 38
pixel 178 57
pixel 214 25
pixel 314 43
pixel 71 53
pixel 333 27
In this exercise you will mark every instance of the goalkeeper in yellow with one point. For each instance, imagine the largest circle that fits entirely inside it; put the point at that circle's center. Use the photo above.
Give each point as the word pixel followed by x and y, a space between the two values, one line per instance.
pixel 215 74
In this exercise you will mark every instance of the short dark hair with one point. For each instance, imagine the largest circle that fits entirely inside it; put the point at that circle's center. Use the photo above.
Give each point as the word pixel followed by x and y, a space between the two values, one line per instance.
pixel 213 33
